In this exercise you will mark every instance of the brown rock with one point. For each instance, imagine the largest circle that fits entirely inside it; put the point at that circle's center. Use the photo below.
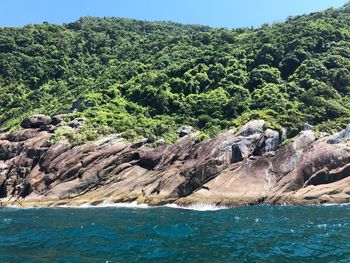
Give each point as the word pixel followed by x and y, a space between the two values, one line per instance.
pixel 35 121
pixel 248 167
pixel 150 159
pixel 9 150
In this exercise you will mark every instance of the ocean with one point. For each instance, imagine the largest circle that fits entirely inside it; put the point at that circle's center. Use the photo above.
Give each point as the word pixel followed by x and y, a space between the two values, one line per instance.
pixel 169 234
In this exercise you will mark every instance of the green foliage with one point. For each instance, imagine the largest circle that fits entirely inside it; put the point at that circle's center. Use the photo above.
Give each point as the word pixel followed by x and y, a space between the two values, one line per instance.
pixel 81 136
pixel 147 79
pixel 200 137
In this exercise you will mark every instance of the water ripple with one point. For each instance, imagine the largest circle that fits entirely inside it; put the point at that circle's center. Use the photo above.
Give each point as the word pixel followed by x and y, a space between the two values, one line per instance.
pixel 163 234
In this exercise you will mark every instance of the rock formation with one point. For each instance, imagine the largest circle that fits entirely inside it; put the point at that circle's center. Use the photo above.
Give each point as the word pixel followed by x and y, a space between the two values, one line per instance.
pixel 250 166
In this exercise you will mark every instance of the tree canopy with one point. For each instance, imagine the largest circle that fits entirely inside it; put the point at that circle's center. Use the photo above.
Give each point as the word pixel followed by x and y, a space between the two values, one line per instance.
pixel 149 78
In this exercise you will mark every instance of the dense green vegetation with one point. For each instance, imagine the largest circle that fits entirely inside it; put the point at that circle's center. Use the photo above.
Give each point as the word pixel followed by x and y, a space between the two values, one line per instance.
pixel 150 78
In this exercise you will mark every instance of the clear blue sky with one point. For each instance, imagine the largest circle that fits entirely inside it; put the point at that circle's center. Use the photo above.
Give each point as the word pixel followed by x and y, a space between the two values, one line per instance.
pixel 216 13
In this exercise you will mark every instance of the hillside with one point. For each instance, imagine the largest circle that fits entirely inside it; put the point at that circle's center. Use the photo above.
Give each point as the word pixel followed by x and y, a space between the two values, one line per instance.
pixel 150 78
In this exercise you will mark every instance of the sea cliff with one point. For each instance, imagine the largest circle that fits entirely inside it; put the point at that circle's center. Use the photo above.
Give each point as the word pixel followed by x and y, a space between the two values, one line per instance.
pixel 250 166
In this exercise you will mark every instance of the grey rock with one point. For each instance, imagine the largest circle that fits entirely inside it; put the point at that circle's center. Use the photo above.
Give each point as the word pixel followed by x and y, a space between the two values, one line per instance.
pixel 269 141
pixel 80 104
pixel 339 137
pixel 76 123
pixel 35 121
pixel 308 127
pixel 57 119
pixel 241 149
pixel 304 139
pixel 284 134
pixel 252 127
pixel 245 139
pixel 77 105
pixel 108 141
pixel 184 131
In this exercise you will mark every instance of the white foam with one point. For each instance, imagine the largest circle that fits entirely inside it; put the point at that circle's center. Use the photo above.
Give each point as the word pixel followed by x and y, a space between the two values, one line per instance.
pixel 198 207
pixel 118 205
pixel 127 205
pixel 322 226
pixel 342 204
pixel 195 206
pixel 12 206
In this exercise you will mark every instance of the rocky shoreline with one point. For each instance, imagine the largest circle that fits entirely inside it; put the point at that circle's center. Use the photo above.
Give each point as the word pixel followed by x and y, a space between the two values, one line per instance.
pixel 254 165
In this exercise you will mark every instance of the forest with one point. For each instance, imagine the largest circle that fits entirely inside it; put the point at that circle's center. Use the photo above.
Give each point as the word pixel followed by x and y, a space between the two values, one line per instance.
pixel 148 79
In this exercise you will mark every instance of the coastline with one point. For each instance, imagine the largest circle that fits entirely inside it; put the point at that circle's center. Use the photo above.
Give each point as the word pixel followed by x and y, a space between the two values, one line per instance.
pixel 254 165
pixel 200 206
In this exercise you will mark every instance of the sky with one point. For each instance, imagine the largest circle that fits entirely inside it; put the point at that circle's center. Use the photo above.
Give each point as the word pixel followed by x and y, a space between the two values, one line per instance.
pixel 215 13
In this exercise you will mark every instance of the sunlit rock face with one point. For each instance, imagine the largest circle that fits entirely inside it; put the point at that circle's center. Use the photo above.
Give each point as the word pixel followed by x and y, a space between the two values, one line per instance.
pixel 249 166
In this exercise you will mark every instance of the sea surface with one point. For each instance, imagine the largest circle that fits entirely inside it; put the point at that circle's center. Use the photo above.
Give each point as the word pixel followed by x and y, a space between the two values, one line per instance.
pixel 168 234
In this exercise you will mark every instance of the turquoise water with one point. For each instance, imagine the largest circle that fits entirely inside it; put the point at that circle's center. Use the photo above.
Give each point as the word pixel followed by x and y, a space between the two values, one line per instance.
pixel 246 234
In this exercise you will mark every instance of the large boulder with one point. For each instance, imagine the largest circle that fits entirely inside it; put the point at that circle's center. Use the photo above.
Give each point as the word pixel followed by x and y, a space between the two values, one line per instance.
pixel 269 141
pixel 241 149
pixel 245 139
pixel 252 127
pixel 35 121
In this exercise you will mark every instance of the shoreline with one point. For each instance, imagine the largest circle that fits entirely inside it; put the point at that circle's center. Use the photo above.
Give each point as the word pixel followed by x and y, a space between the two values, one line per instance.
pixel 200 207
pixel 196 206
pixel 236 168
